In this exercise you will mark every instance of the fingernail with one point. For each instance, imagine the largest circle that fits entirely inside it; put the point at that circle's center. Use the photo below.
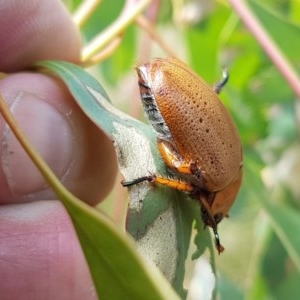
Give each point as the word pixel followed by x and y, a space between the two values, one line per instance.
pixel 50 133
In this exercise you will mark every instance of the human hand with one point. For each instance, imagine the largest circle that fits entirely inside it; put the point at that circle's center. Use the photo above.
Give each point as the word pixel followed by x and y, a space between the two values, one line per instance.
pixel 40 256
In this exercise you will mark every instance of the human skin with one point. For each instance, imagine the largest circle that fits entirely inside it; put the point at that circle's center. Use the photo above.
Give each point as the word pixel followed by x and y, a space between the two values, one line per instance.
pixel 40 256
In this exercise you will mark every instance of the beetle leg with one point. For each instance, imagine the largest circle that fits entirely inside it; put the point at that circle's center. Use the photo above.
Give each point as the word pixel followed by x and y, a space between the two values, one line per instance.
pixel 169 182
pixel 138 180
pixel 172 159
pixel 174 183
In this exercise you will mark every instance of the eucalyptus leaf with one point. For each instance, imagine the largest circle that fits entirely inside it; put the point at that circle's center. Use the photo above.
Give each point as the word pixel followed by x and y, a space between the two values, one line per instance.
pixel 117 270
pixel 284 220
pixel 159 219
pixel 123 130
pixel 104 245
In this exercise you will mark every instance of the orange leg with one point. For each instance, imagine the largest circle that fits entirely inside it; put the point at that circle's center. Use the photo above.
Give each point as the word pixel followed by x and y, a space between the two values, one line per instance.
pixel 172 158
pixel 207 214
pixel 172 183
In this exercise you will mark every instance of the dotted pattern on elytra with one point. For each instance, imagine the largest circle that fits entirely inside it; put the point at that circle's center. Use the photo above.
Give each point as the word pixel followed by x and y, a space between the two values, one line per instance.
pixel 199 123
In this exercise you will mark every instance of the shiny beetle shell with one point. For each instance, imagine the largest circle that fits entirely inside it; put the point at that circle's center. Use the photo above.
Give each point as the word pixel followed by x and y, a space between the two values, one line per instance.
pixel 197 137
pixel 200 126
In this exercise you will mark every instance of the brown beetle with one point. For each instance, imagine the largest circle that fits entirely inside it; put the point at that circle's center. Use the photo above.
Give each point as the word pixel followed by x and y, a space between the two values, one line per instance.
pixel 196 137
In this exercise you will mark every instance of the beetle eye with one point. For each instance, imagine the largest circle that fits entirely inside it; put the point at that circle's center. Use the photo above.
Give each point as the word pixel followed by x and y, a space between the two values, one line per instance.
pixel 218 217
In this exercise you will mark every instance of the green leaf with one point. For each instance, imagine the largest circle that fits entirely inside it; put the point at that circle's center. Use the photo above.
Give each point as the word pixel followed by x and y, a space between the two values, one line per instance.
pixel 228 290
pixel 204 43
pixel 161 222
pixel 93 100
pixel 289 287
pixel 159 219
pixel 284 220
pixel 116 268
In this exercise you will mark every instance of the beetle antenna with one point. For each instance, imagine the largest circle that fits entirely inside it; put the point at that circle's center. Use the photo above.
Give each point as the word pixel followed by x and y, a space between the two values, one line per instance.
pixel 219 85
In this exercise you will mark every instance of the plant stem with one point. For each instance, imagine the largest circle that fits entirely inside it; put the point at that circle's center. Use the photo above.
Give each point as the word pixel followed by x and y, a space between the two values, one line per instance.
pixel 84 11
pixel 127 16
pixel 147 26
pixel 267 43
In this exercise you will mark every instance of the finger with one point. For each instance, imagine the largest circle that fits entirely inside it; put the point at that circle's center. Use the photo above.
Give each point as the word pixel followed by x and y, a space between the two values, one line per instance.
pixel 76 150
pixel 40 256
pixel 36 30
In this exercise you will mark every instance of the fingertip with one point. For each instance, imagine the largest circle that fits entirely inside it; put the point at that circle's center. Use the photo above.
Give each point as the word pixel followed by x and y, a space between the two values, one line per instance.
pixel 78 152
pixel 40 254
pixel 36 30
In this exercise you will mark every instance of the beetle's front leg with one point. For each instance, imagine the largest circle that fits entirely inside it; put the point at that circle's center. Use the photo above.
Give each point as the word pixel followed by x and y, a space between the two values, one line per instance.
pixel 169 182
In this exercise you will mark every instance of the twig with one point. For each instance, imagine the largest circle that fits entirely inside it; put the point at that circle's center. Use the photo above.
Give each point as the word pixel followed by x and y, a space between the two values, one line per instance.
pixel 105 53
pixel 144 24
pixel 127 16
pixel 267 43
pixel 84 11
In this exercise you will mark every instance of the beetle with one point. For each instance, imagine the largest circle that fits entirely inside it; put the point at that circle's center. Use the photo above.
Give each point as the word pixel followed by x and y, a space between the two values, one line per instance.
pixel 196 137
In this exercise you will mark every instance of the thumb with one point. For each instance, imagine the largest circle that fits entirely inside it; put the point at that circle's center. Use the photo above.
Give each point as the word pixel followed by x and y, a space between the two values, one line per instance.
pixel 76 150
